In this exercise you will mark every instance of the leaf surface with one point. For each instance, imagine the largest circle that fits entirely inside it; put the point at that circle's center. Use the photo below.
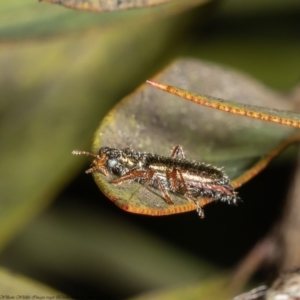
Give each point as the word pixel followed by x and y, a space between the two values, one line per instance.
pixel 151 121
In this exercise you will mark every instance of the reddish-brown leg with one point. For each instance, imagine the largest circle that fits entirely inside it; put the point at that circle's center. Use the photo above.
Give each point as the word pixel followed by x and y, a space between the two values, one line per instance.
pixel 172 179
pixel 190 197
pixel 164 191
pixel 147 176
pixel 172 174
pixel 177 151
pixel 132 175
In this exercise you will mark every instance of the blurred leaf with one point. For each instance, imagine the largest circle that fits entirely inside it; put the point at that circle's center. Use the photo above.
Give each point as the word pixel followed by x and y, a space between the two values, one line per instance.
pixel 54 91
pixel 114 5
pixel 209 289
pixel 146 122
pixel 30 19
pixel 107 250
pixel 13 286
pixel 106 5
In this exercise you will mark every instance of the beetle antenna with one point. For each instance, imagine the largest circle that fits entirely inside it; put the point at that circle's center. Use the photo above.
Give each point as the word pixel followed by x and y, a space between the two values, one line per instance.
pixel 79 152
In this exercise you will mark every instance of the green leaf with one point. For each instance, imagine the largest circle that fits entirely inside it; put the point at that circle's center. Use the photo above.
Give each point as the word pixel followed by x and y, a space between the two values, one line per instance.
pixel 91 246
pixel 105 5
pixel 14 286
pixel 209 289
pixel 114 5
pixel 151 121
pixel 54 91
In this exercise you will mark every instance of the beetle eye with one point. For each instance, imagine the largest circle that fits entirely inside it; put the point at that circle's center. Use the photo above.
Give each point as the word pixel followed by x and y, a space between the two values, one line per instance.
pixel 112 162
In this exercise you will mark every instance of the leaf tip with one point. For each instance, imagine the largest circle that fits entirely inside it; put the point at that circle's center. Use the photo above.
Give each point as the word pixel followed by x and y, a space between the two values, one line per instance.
pixel 157 85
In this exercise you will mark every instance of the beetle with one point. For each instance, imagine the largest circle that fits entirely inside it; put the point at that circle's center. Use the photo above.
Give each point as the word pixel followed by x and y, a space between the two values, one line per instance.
pixel 175 174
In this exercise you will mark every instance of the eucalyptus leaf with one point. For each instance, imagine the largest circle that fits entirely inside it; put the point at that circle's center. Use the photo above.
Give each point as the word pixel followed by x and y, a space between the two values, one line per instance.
pixel 152 121
pixel 54 91
pixel 106 5
pixel 114 5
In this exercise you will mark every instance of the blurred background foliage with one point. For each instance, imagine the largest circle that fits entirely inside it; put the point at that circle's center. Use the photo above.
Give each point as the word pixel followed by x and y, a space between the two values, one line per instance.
pixel 61 71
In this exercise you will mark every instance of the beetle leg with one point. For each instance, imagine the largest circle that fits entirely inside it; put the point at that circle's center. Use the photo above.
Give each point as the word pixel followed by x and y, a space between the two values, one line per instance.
pixel 172 179
pixel 132 175
pixel 199 209
pixel 163 191
pixel 147 176
pixel 177 151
